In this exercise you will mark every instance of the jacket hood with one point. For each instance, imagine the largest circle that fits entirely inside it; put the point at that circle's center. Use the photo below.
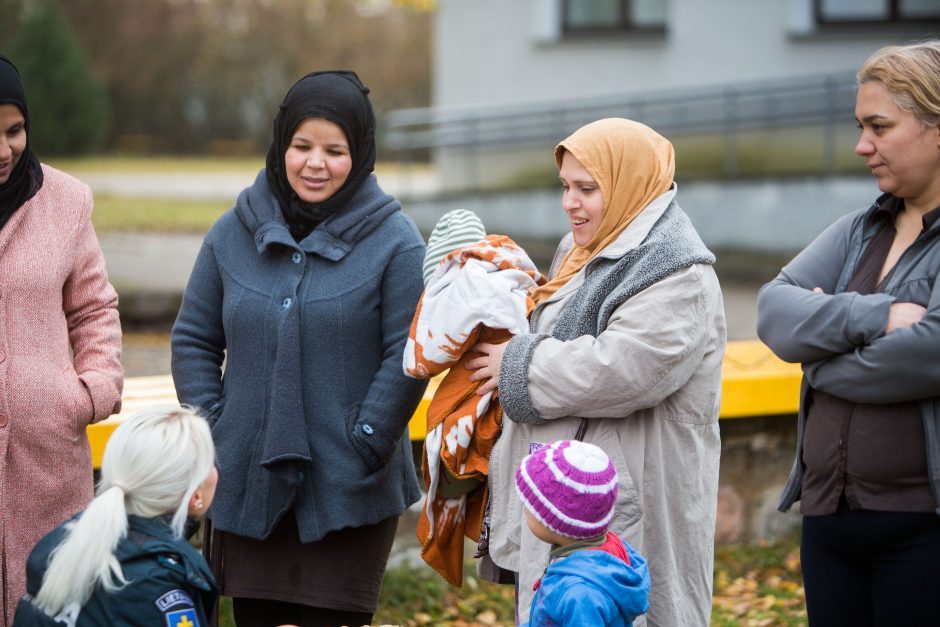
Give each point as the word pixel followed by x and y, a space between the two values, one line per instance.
pixel 258 210
pixel 626 585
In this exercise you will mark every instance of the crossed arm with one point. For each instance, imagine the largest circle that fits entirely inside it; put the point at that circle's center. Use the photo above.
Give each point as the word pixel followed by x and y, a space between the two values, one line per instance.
pixel 863 348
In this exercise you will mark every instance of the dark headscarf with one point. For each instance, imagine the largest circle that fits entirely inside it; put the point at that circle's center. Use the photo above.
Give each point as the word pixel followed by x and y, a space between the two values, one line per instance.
pixel 340 97
pixel 26 178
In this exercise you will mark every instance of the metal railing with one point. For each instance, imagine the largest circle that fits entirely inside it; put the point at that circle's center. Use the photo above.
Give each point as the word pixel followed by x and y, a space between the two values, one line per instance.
pixel 727 110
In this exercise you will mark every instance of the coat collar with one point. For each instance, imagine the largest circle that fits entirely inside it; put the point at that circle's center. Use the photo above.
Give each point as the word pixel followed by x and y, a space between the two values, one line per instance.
pixel 887 207
pixel 641 226
pixel 259 212
pixel 631 237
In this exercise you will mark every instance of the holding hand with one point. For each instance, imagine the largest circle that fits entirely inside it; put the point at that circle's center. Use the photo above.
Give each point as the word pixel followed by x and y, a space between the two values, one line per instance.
pixel 486 365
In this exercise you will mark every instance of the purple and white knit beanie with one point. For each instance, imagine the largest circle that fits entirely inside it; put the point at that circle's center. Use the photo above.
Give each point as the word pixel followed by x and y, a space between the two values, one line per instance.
pixel 570 487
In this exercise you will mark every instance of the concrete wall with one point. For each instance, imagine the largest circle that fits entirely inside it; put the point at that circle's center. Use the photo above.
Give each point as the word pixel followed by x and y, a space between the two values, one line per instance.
pixel 771 218
pixel 509 52
pixel 756 457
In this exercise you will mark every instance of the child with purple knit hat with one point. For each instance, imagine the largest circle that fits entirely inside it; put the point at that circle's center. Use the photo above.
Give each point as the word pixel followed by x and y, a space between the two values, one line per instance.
pixel 569 489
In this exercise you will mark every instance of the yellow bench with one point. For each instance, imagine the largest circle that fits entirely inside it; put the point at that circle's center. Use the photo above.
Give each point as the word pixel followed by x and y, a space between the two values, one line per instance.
pixel 754 383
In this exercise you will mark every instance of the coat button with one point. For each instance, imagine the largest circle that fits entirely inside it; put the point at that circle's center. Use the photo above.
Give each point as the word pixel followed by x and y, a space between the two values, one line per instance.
pixel 296 257
pixel 285 304
pixel 367 429
pixel 4 421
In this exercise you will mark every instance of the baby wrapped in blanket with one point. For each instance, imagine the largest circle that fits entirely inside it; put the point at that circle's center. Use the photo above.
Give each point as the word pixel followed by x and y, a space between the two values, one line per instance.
pixel 476 290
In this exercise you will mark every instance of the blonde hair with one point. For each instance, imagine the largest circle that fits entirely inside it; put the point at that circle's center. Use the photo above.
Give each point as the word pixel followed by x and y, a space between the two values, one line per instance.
pixel 153 463
pixel 911 74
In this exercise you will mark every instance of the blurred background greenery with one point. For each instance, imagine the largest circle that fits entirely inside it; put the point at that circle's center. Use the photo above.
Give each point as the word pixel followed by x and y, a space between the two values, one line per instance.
pixel 200 76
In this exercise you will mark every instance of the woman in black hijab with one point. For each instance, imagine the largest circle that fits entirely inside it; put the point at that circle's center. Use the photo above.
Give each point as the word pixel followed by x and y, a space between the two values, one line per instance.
pixel 340 98
pixel 20 172
pixel 306 288
pixel 60 342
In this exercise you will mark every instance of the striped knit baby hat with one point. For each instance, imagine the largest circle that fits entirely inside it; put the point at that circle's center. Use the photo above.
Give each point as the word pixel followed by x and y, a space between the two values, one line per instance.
pixel 455 229
pixel 570 487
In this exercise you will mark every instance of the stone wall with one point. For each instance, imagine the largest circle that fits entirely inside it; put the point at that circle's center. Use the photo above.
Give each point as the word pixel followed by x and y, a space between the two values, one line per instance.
pixel 756 457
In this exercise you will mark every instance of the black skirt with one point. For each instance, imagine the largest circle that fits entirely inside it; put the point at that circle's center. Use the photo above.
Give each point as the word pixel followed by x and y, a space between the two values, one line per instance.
pixel 342 571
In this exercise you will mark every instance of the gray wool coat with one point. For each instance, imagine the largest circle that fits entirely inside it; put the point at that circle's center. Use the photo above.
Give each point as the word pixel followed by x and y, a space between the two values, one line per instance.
pixel 313 404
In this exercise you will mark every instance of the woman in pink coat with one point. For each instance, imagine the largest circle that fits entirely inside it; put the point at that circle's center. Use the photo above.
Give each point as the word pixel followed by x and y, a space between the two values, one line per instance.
pixel 60 343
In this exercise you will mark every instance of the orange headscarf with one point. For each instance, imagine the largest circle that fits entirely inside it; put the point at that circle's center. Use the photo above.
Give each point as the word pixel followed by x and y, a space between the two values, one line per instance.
pixel 632 164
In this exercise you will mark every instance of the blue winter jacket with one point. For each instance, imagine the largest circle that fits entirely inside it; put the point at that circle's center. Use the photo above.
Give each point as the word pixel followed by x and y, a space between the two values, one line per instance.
pixel 591 587
pixel 312 408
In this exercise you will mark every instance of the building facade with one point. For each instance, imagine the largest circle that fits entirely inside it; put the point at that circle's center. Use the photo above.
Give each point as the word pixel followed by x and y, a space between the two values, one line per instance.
pixel 512 77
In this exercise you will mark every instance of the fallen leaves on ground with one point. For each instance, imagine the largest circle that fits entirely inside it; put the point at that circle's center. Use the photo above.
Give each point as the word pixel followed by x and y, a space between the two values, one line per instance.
pixel 415 597
pixel 758 585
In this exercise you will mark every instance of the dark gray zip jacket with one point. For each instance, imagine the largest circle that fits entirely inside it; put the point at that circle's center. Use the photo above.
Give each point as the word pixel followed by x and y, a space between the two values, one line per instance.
pixel 839 336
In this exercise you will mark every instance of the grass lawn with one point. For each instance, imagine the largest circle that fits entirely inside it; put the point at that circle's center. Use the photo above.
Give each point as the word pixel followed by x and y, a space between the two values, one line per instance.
pixel 794 152
pixel 757 585
pixel 172 215
pixel 195 164
pixel 161 215
pixel 155 215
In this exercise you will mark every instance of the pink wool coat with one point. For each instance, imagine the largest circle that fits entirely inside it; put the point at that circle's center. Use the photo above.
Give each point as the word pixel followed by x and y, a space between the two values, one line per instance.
pixel 54 294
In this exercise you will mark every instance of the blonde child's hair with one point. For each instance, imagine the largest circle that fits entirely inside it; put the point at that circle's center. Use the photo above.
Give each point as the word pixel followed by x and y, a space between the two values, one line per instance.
pixel 153 463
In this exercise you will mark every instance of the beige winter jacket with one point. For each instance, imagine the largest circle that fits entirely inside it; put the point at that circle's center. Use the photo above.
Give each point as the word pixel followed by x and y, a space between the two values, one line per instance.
pixel 650 384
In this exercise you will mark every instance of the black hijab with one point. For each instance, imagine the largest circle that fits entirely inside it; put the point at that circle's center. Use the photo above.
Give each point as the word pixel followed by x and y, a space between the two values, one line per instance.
pixel 26 178
pixel 340 97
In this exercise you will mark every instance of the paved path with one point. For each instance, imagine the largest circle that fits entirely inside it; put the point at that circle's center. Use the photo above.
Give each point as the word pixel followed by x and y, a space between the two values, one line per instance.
pixel 150 262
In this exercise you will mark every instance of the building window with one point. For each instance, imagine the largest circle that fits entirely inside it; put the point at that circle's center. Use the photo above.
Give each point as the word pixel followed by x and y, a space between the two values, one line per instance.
pixel 865 11
pixel 595 16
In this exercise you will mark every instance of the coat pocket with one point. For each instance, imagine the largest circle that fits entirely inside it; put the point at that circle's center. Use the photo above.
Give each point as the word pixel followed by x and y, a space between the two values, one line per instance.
pixel 627 507
pixel 355 436
pixel 79 399
pixel 213 412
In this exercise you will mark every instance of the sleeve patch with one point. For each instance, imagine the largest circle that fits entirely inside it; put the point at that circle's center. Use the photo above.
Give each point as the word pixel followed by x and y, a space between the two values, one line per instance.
pixel 173 597
pixel 182 618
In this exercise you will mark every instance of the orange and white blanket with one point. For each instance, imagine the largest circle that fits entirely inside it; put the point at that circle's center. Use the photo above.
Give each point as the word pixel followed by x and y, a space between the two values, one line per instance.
pixel 477 293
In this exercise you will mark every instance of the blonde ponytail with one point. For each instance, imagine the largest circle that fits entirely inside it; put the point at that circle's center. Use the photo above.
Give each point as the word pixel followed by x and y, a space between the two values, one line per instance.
pixel 152 464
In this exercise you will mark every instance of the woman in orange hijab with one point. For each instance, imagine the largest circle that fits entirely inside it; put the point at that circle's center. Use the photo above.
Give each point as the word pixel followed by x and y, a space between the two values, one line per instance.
pixel 624 351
